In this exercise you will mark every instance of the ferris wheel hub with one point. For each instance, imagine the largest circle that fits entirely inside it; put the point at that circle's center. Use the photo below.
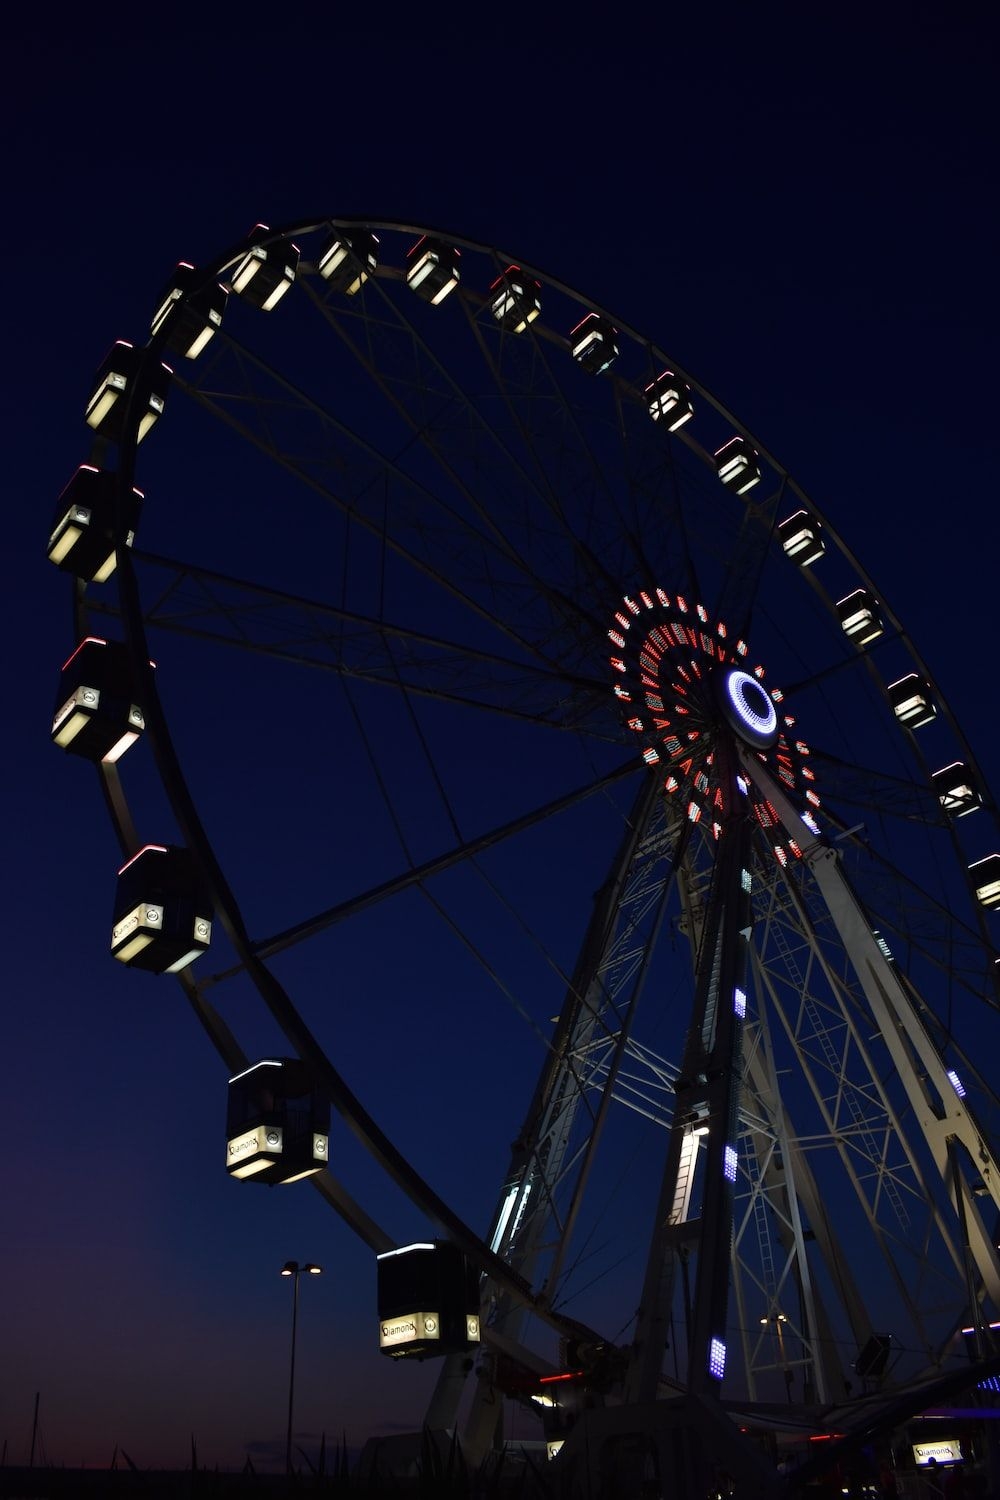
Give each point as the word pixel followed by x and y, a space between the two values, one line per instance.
pixel 746 707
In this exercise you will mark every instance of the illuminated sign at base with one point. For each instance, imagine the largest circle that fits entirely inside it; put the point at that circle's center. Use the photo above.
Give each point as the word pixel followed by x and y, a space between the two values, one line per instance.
pixel 243 1148
pixel 940 1451
pixel 408 1328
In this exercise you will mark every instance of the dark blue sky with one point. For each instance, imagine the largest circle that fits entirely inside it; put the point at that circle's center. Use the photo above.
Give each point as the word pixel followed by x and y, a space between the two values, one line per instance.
pixel 797 203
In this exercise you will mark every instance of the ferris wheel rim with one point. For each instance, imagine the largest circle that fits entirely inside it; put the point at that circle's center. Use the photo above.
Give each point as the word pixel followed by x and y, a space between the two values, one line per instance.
pixel 132 610
pixel 211 273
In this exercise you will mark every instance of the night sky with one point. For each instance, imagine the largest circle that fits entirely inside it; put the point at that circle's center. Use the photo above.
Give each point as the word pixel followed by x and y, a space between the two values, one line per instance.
pixel 794 201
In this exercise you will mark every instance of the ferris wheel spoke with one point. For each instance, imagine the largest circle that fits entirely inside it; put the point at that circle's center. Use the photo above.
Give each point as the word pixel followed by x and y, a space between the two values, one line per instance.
pixel 446 420
pixel 312 633
pixel 558 453
pixel 854 785
pixel 404 513
pixel 265 948
pixel 903 912
pixel 744 569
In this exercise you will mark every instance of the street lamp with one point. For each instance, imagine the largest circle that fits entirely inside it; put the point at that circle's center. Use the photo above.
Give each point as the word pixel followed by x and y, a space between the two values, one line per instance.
pixel 779 1320
pixel 293 1269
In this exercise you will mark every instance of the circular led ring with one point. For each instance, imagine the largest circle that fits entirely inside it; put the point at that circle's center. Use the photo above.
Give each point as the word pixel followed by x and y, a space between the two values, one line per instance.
pixel 758 728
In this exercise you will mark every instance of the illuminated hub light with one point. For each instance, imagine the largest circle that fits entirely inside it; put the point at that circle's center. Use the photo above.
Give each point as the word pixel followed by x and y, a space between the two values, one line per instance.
pixel 593 344
pixel 911 701
pixel 956 789
pixel 740 1006
pixel 83 533
pixel 515 300
pixel 685 675
pixel 801 538
pixel 717 1359
pixel 121 376
pixel 748 708
pixel 669 401
pixel 986 881
pixel 96 715
pixel 729 1163
pixel 432 269
pixel 191 317
pixel 956 1083
pixel 738 465
pixel 267 269
pixel 163 919
pixel 859 616
pixel 349 257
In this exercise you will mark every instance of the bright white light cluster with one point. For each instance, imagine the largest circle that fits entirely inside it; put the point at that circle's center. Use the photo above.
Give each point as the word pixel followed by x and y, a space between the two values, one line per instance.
pixel 744 690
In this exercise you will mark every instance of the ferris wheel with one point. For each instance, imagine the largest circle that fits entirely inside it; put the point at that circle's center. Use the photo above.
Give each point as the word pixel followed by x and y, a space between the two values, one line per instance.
pixel 528 758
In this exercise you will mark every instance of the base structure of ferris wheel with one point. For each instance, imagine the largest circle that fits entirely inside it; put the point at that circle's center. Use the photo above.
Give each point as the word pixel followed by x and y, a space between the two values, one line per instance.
pixel 748 1237
pixel 560 530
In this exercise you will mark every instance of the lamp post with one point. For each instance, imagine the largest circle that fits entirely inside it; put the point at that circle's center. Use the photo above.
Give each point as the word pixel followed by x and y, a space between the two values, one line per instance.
pixel 293 1269
pixel 779 1320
